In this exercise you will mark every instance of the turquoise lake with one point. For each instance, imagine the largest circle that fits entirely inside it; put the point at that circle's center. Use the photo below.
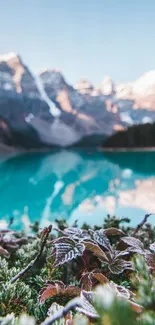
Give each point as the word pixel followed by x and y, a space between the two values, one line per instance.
pixel 76 185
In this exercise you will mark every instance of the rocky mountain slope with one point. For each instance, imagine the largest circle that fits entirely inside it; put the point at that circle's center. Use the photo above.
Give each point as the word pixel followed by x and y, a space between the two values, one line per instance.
pixel 45 111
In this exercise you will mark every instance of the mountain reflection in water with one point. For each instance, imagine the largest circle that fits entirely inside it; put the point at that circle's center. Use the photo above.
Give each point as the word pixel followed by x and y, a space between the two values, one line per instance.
pixel 76 185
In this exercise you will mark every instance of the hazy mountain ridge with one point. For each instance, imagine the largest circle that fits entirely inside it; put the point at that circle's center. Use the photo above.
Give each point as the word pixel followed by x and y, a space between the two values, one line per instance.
pixel 52 112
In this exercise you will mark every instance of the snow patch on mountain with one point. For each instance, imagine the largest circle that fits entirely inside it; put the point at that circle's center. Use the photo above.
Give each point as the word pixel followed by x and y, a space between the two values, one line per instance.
pixel 8 56
pixel 145 83
pixel 143 86
pixel 125 117
pixel 57 133
pixel 147 119
pixel 53 109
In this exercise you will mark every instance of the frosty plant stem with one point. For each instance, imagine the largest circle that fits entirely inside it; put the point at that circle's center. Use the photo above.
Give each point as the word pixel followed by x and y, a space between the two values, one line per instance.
pixel 33 262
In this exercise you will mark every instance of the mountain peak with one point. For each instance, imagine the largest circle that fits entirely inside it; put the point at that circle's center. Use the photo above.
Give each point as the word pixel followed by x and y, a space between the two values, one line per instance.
pixel 14 75
pixel 55 70
pixel 9 56
pixel 52 76
pixel 107 87
pixel 84 86
pixel 145 81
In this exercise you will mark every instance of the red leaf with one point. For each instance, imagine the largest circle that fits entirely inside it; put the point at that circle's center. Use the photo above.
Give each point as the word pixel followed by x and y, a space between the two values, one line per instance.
pixel 87 308
pixel 118 266
pixel 100 278
pixel 121 291
pixel 150 258
pixel 72 291
pixel 102 239
pixel 51 290
pixel 96 250
pixel 86 280
pixel 113 232
pixel 45 232
pixel 152 247
pixel 132 241
pixel 58 288
pixel 135 307
pixel 4 252
pixel 66 249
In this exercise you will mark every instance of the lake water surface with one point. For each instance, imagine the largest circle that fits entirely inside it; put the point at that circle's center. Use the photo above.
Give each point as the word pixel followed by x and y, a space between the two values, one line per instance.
pixel 76 185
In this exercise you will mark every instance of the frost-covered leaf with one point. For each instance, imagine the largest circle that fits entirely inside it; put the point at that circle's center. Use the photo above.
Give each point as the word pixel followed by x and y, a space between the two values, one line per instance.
pixel 136 250
pixel 73 231
pixel 76 233
pixel 72 291
pixel 87 308
pixel 69 318
pixel 105 296
pixel 45 232
pixel 4 252
pixel 26 320
pixel 121 291
pixel 118 266
pixel 152 247
pixel 101 278
pixel 96 250
pixel 86 281
pixel 132 241
pixel 135 307
pixel 9 243
pixel 113 232
pixel 5 231
pixel 66 249
pixel 8 320
pixel 11 246
pixel 51 290
pixel 101 238
pixel 135 245
pixel 150 258
pixel 80 319
pixel 57 288
pixel 54 309
pixel 120 253
pixel 62 315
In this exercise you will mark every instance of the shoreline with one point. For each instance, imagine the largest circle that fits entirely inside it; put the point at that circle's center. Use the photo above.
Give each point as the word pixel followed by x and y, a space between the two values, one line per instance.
pixel 124 149
pixel 6 150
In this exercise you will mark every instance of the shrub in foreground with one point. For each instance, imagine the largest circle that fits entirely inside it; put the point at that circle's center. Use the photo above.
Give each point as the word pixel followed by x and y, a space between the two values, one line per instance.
pixel 77 276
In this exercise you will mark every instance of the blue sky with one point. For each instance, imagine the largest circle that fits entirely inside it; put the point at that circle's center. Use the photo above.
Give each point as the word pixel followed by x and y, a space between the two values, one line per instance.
pixel 83 38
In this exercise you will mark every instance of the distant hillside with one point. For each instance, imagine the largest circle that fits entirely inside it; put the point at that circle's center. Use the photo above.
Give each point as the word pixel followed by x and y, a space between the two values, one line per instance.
pixel 45 111
pixel 142 135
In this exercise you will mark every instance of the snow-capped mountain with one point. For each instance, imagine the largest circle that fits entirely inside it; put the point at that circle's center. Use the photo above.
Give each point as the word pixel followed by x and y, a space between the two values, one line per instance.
pixel 142 91
pixel 15 76
pixel 45 110
pixel 79 107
